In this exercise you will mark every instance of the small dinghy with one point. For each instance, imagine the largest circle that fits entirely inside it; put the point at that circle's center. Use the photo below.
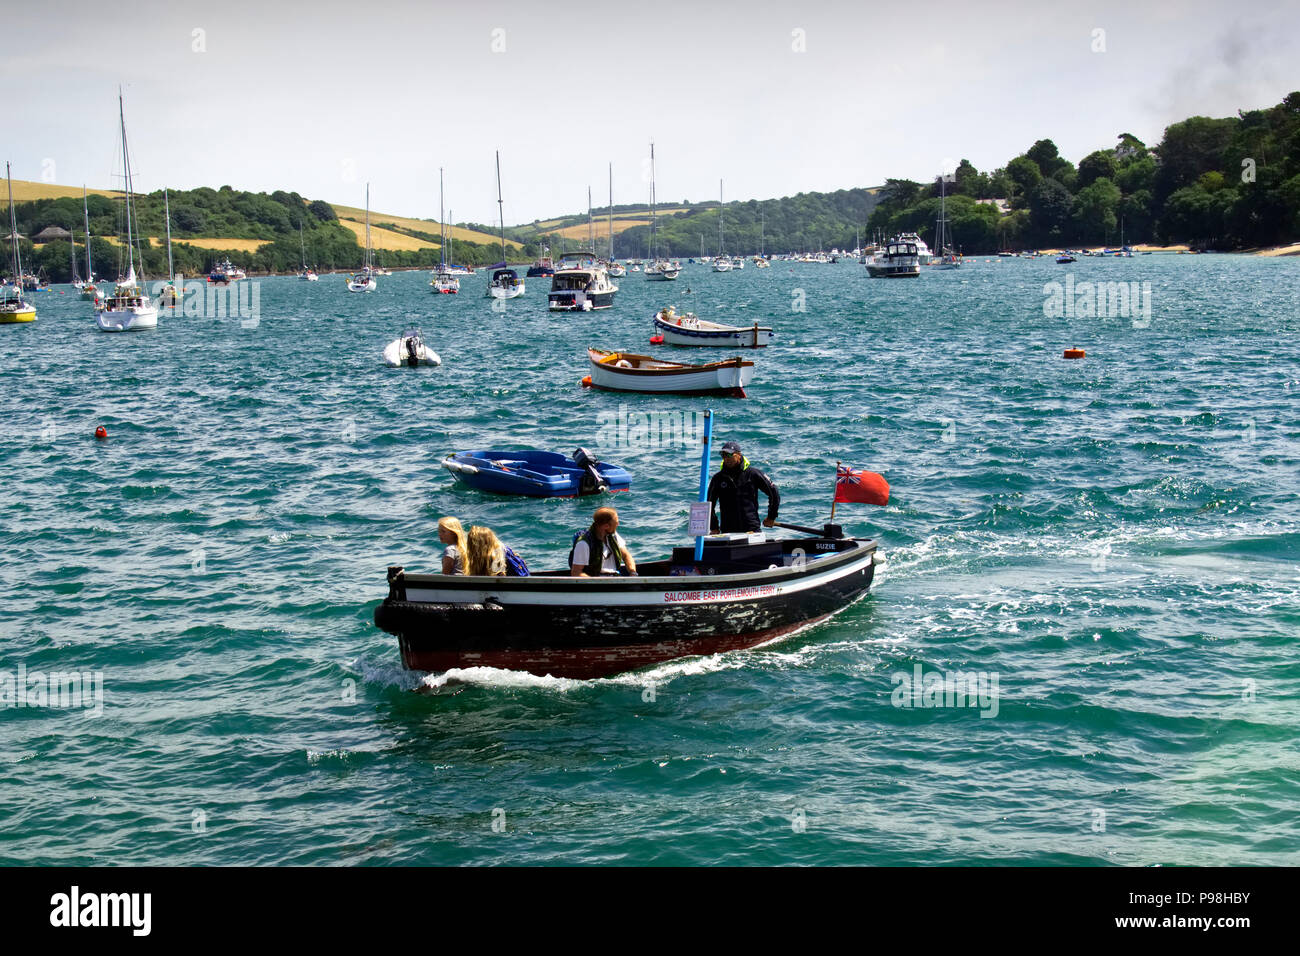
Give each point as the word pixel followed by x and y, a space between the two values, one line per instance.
pixel 538 474
pixel 688 330
pixel 410 350
pixel 626 372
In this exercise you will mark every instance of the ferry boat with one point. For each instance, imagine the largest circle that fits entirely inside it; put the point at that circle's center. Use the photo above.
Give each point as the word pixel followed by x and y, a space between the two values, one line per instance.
pixel 580 284
pixel 746 590
pixel 900 259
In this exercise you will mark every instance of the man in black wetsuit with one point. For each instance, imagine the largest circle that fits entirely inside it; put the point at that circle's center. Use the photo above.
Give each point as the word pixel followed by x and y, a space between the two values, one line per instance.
pixel 734 490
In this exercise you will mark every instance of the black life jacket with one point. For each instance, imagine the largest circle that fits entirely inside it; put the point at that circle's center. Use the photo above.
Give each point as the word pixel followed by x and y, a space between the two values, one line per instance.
pixel 596 552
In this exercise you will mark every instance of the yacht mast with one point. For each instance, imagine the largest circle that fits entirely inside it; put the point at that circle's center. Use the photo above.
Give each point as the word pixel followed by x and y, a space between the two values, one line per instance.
pixel 13 235
pixel 126 167
pixel 167 215
pixel 721 246
pixel 85 211
pixel 501 208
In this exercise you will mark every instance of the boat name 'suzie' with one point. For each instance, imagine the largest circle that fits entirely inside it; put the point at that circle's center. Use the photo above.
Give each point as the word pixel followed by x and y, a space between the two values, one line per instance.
pixel 723 595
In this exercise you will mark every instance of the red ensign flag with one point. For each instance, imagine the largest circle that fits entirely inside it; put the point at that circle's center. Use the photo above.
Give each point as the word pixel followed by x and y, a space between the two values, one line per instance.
pixel 855 484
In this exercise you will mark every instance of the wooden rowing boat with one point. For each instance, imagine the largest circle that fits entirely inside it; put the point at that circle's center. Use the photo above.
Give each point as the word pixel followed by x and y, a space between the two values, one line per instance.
pixel 627 372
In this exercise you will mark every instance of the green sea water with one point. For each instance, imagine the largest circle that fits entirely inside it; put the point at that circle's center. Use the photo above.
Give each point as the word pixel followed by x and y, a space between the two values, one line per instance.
pixel 1115 541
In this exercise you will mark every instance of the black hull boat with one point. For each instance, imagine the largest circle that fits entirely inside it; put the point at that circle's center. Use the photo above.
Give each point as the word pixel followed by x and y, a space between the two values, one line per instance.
pixel 745 592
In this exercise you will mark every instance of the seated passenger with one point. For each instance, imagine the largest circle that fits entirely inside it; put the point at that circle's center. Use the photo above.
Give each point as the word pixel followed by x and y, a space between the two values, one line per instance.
pixel 600 549
pixel 452 534
pixel 485 555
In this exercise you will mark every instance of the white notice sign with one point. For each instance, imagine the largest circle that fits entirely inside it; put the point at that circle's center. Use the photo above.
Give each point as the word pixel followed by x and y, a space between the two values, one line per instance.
pixel 699 518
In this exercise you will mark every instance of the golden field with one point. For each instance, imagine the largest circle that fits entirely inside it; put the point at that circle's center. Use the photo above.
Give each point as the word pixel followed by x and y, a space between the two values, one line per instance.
pixel 25 191
pixel 386 238
pixel 602 228
pixel 350 215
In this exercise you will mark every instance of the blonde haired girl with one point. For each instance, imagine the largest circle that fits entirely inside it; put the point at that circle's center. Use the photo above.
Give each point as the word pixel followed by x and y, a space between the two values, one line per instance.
pixel 452 535
pixel 485 555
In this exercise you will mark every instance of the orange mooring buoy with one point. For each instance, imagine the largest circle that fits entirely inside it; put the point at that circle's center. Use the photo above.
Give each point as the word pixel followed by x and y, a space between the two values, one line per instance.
pixel 586 381
pixel 101 432
pixel 1075 353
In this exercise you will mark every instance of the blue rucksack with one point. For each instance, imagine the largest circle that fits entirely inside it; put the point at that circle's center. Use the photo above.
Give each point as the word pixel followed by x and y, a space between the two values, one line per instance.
pixel 515 566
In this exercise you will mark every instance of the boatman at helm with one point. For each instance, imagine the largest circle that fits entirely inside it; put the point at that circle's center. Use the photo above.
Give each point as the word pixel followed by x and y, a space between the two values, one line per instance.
pixel 601 549
pixel 734 490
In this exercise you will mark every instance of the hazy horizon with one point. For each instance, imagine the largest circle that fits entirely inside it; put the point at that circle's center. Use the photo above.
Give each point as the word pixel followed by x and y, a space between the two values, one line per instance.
pixel 773 98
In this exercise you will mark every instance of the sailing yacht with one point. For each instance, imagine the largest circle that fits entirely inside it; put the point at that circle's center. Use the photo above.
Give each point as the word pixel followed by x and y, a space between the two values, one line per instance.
pixel 364 281
pixel 660 269
pixel 88 288
pixel 13 307
pixel 505 283
pixel 128 308
pixel 947 259
pixel 306 275
pixel 723 262
pixel 169 296
pixel 444 283
pixel 615 269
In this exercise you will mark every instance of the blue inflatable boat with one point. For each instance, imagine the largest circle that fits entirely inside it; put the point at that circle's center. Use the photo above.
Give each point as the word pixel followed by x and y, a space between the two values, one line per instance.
pixel 540 474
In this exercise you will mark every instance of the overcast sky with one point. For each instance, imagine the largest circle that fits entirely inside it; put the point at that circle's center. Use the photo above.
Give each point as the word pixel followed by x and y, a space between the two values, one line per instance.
pixel 321 97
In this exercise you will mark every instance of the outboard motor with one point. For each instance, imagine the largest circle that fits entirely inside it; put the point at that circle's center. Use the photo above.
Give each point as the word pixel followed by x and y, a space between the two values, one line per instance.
pixel 592 480
pixel 412 351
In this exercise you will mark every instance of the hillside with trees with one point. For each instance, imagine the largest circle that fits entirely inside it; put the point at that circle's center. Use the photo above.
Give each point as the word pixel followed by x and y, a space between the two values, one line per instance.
pixel 204 220
pixel 1210 183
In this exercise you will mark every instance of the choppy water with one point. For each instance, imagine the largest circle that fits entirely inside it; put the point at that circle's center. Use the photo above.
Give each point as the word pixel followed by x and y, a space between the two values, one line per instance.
pixel 1117 541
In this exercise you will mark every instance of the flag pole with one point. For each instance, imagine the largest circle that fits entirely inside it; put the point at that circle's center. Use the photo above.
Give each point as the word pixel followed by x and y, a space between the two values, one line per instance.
pixel 704 474
pixel 837 488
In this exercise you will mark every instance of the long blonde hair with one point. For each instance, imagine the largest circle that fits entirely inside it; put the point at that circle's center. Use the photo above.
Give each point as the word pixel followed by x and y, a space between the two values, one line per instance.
pixel 454 526
pixel 485 552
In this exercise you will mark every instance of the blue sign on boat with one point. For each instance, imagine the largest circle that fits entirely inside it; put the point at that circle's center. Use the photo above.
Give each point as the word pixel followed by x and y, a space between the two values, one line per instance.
pixel 541 474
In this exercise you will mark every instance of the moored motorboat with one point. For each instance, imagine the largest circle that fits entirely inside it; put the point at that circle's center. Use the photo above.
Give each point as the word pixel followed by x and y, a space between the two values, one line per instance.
pixel 225 272
pixel 898 260
pixel 536 474
pixel 743 592
pixel 687 329
pixel 543 268
pixel 409 349
pixel 628 372
pixel 580 284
